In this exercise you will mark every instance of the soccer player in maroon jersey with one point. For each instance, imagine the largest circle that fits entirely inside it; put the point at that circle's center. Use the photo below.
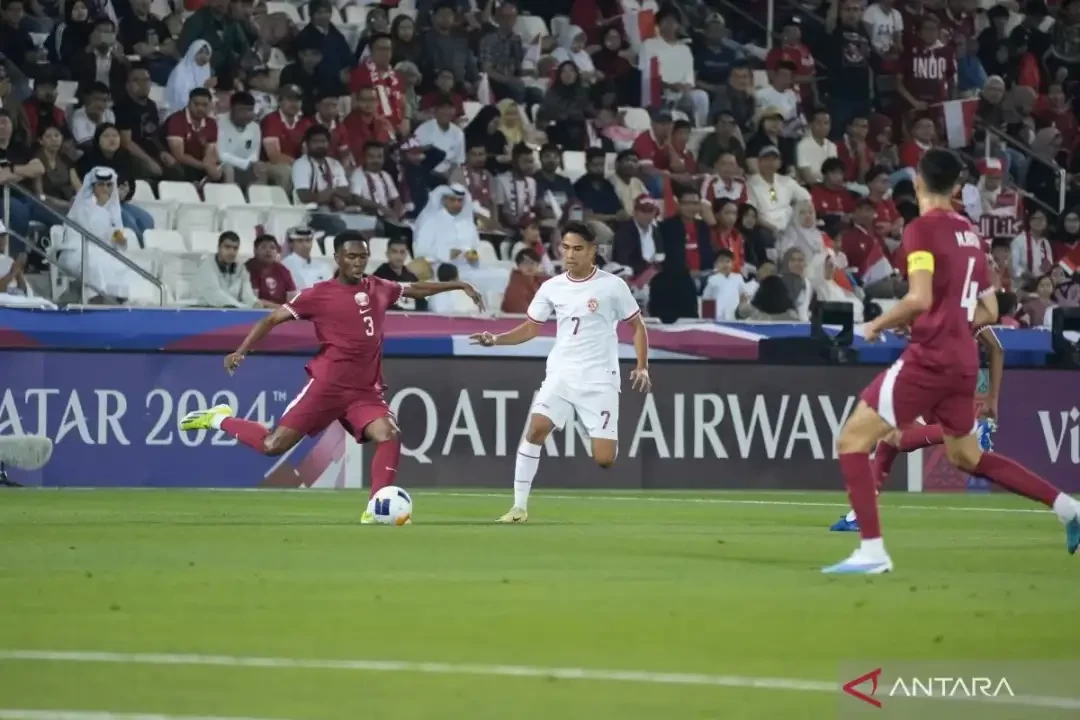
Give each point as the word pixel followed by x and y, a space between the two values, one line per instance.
pixel 935 377
pixel 346 382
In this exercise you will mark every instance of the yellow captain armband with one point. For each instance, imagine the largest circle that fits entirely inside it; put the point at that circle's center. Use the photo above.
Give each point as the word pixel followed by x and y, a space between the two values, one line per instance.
pixel 921 260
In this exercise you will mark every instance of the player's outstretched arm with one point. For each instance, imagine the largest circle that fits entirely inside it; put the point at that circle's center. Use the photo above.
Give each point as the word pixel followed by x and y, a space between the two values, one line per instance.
pixel 261 329
pixel 639 376
pixel 524 332
pixel 424 289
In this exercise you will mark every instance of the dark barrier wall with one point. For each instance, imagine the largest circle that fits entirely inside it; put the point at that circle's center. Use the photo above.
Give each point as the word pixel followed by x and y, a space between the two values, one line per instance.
pixel 114 417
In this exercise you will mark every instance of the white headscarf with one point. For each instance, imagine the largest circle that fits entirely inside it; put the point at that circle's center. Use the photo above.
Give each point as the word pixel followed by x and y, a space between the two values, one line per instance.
pixel 438 232
pixel 187 76
pixel 563 53
pixel 826 288
pixel 101 220
pixel 810 240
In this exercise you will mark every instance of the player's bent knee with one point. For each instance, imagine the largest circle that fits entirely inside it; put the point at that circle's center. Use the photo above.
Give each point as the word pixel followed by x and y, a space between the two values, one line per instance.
pixel 963 455
pixel 539 429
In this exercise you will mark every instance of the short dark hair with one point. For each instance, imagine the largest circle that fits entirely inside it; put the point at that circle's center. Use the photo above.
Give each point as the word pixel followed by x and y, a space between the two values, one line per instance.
pixel 265 238
pixel 580 229
pixel 681 125
pixel 348 236
pixel 594 153
pixel 832 165
pixel 475 142
pixel 1001 244
pixel 397 240
pixel 373 144
pixel 626 154
pixel 667 11
pixel 99 88
pixel 199 92
pixel 940 170
pixel 787 65
pixel 865 203
pixel 526 254
pixel 380 36
pixel 680 190
pixel 819 110
pixel 725 253
pixel 242 98
pixel 316 5
pixel 875 172
pixel 445 100
pixel 228 236
pixel 315 131
pixel 520 150
pixel 446 272
pixel 551 148
pixel 104 20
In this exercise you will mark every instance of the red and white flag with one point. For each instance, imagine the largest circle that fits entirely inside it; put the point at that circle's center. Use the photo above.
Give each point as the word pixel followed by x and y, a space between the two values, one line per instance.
pixel 1070 262
pixel 652 89
pixel 959 120
pixel 639 21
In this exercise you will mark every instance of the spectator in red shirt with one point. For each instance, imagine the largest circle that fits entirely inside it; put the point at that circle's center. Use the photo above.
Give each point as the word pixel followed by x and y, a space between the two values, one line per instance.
pixel 833 202
pixel 650 147
pixel 681 161
pixel 363 124
pixel 326 114
pixel 192 138
pixel 283 136
pixel 854 149
pixel 272 281
pixel 927 70
pixel 41 111
pixel 1052 110
pixel 867 255
pixel 376 72
pixel 921 140
pixel 888 223
pixel 724 184
pixel 444 87
pixel 793 50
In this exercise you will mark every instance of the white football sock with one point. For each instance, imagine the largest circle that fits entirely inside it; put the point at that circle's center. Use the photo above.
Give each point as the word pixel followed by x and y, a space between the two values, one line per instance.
pixel 528 459
pixel 215 421
pixel 1065 508
pixel 874 548
pixel 850 517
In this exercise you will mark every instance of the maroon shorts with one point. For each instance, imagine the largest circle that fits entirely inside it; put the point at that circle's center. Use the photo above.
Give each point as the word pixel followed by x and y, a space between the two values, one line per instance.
pixel 318 405
pixel 906 392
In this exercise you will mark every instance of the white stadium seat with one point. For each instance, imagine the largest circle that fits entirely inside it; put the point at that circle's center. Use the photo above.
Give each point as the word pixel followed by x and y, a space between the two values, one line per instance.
pixel 142 291
pixel 267 195
pixel 286 8
pixel 529 26
pixel 178 273
pixel 181 192
pixel 191 212
pixel 636 118
pixel 163 212
pixel 462 304
pixel 67 92
pixel 356 15
pixel 166 241
pixel 280 219
pixel 761 78
pixel 472 109
pixel 143 191
pixel 241 217
pixel 559 23
pixel 378 252
pixel 223 194
pixel 157 94
pixel 204 241
pixel 488 256
pixel 518 247
pixel 573 165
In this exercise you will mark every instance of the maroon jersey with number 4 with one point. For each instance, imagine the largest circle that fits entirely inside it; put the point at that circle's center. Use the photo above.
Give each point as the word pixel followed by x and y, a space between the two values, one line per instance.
pixel 948 245
pixel 349 325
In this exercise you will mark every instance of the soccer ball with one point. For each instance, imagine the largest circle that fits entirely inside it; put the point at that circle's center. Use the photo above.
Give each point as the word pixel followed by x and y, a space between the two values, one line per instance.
pixel 391 506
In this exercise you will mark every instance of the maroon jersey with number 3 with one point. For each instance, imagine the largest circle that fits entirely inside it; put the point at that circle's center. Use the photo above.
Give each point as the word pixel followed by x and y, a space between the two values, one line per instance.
pixel 349 325
pixel 948 245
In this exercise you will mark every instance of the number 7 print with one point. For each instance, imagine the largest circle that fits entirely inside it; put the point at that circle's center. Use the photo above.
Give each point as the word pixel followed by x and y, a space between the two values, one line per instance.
pixel 606 414
pixel 577 324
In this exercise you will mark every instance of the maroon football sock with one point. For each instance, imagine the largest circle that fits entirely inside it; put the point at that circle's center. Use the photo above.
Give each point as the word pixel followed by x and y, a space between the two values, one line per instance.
pixel 1016 478
pixel 884 457
pixel 917 437
pixel 248 432
pixel 860 487
pixel 384 464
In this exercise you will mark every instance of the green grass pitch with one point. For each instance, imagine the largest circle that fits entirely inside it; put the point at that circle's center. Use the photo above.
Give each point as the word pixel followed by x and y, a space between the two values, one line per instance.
pixel 708 584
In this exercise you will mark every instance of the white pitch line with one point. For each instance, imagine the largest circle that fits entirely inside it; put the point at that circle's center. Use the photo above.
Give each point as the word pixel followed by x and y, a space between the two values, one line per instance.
pixel 728 501
pixel 14 714
pixel 443 668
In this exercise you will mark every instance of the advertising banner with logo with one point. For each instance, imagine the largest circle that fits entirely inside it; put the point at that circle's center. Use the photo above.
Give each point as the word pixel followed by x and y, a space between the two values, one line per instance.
pixel 115 420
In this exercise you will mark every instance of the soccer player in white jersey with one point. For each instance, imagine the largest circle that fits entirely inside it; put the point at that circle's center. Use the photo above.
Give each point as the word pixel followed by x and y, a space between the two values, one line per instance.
pixel 583 367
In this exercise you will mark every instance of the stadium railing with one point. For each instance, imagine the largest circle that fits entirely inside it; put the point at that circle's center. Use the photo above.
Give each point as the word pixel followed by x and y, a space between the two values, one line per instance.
pixel 51 254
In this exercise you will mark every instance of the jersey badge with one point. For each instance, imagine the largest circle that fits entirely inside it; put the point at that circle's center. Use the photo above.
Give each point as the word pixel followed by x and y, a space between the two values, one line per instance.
pixel 362 299
pixel 594 305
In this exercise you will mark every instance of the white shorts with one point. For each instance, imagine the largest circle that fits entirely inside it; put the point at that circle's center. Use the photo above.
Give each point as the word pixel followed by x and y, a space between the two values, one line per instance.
pixel 597 406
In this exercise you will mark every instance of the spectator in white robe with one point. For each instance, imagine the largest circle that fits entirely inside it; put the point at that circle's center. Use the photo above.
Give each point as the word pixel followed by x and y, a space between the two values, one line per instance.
pixel 96 209
pixel 193 71
pixel 446 233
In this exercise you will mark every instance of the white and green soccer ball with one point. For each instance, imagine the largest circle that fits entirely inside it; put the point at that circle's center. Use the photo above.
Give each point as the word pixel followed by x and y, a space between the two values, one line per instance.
pixel 391 506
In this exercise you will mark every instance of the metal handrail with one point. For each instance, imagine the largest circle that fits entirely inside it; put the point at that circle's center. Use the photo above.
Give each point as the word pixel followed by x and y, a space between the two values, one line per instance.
pixel 1026 150
pixel 87 238
pixel 968 157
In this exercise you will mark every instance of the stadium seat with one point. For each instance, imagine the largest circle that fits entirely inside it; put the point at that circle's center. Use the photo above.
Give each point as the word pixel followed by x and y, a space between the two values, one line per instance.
pixel 267 195
pixel 678 115
pixel 559 23
pixel 66 92
pixel 241 218
pixel 462 304
pixel 472 109
pixel 761 78
pixel 356 15
pixel 609 163
pixel 163 212
pixel 573 165
pixel 488 256
pixel 224 194
pixel 157 94
pixel 143 191
pixel 160 9
pixel 178 273
pixel 529 26
pixel 518 247
pixel 203 241
pixel 280 219
pixel 166 241
pixel 636 119
pixel 191 212
pixel 378 251
pixel 142 291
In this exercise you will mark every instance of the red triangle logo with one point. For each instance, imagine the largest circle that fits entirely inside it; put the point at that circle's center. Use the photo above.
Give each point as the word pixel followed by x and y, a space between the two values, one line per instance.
pixel 872 676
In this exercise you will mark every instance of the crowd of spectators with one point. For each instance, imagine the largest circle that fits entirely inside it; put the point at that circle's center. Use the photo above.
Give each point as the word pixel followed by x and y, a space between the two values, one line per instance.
pixel 756 183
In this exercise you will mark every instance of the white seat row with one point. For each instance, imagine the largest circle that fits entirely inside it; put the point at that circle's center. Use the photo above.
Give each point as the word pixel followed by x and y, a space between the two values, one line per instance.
pixel 219 194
